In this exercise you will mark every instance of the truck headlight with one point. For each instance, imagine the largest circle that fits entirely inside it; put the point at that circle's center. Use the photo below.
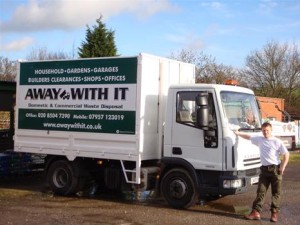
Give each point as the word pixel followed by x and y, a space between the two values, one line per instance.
pixel 232 183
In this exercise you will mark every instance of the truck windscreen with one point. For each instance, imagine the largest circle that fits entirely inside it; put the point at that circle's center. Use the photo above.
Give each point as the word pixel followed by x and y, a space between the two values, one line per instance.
pixel 241 109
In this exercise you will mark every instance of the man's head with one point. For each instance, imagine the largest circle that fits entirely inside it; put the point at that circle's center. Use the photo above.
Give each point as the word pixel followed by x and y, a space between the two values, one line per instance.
pixel 266 129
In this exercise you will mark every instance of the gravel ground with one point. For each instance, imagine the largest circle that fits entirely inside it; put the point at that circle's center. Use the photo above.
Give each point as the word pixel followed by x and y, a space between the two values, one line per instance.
pixel 26 200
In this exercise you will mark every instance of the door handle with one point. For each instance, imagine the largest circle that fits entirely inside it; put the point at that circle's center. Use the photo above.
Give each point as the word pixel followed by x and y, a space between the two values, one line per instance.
pixel 176 151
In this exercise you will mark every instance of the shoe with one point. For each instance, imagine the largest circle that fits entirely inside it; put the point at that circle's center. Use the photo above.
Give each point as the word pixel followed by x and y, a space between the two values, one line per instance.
pixel 254 215
pixel 274 217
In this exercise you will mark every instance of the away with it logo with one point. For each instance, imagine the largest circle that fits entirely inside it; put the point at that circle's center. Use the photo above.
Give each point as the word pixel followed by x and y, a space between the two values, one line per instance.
pixel 75 93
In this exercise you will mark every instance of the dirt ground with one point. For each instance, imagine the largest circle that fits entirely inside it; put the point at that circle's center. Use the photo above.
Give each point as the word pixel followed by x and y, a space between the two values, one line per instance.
pixel 26 200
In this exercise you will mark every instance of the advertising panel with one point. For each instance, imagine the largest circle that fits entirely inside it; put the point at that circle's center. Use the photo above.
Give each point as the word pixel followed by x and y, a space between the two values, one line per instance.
pixel 87 95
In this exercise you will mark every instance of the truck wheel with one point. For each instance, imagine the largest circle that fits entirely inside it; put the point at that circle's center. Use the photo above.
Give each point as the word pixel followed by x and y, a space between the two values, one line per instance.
pixel 61 178
pixel 179 189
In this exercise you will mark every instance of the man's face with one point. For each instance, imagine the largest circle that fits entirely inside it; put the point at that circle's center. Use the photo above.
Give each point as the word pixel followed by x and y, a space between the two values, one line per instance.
pixel 267 131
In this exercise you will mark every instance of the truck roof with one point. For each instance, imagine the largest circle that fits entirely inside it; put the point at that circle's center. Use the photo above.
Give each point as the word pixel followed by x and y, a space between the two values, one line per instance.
pixel 101 58
pixel 219 87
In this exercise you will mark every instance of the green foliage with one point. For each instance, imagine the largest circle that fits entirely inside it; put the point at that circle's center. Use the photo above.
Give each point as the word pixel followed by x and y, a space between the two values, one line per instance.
pixel 99 42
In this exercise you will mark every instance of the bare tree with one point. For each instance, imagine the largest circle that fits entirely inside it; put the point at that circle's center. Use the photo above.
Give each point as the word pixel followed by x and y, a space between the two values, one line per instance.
pixel 274 71
pixel 8 69
pixel 292 80
pixel 42 53
pixel 207 70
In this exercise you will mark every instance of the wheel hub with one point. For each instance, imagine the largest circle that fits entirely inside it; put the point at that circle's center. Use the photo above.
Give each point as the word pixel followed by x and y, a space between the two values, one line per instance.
pixel 177 189
pixel 60 178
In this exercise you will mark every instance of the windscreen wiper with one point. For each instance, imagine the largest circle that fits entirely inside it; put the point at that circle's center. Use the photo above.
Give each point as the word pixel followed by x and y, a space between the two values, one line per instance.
pixel 250 129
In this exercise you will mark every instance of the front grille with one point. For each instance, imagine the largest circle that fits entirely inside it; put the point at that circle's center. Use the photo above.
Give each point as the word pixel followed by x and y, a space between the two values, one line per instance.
pixel 251 162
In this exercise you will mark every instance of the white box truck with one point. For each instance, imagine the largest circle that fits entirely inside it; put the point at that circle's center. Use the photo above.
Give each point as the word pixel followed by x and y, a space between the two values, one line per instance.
pixel 136 122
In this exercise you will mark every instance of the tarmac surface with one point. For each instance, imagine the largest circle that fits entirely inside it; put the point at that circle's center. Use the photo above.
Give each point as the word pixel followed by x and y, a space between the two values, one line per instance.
pixel 26 200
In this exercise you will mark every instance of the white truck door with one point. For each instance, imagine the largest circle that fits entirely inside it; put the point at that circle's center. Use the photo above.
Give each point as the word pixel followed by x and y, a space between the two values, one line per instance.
pixel 203 149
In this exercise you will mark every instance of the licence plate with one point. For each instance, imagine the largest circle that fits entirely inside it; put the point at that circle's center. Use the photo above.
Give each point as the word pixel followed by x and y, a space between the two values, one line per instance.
pixel 254 180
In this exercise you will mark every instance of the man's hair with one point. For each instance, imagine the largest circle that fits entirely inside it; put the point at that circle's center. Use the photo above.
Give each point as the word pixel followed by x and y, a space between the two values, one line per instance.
pixel 266 124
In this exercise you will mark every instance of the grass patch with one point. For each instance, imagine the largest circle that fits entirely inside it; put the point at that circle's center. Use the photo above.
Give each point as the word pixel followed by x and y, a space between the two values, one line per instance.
pixel 294 157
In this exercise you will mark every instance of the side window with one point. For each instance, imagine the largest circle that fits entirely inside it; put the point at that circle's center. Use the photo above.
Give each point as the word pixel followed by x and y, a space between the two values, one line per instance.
pixel 186 109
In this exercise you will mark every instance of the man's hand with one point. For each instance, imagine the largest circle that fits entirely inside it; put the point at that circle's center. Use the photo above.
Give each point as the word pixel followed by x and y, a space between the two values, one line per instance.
pixel 236 132
pixel 242 134
pixel 281 170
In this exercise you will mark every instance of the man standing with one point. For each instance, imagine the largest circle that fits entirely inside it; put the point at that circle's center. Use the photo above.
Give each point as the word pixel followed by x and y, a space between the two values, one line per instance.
pixel 272 170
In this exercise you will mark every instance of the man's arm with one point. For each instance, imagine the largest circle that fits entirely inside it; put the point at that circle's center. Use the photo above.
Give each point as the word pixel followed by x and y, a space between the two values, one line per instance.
pixel 242 134
pixel 284 162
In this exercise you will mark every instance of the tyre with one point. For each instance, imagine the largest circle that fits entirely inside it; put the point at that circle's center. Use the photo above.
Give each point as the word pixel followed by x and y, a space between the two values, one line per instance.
pixel 179 189
pixel 61 178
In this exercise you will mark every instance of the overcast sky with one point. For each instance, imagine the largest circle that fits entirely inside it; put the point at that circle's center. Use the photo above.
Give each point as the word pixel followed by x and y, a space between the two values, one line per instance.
pixel 227 30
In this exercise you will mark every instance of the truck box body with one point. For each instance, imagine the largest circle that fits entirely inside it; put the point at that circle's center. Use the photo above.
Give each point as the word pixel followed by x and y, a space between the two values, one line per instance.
pixel 111 108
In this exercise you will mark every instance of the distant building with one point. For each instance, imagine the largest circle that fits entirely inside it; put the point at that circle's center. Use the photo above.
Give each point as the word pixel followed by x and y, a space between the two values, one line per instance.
pixel 273 108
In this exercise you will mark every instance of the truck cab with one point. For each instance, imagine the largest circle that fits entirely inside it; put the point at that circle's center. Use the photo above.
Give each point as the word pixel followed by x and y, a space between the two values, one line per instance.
pixel 198 138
